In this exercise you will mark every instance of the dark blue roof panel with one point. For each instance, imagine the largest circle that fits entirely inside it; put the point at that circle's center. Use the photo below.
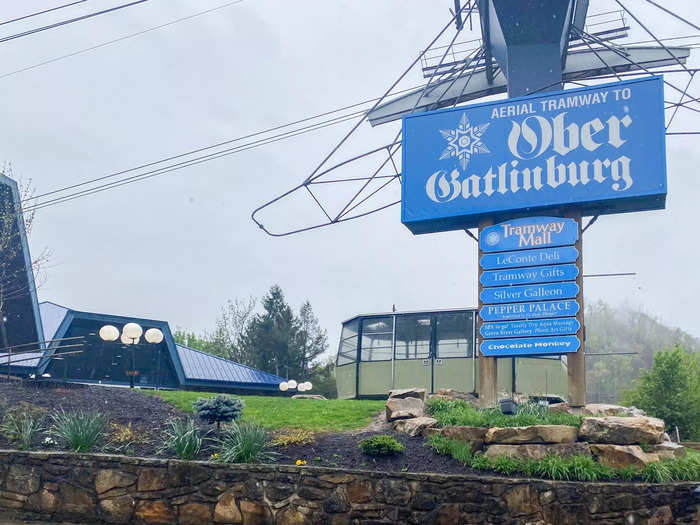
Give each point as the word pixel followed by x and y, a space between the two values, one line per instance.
pixel 200 366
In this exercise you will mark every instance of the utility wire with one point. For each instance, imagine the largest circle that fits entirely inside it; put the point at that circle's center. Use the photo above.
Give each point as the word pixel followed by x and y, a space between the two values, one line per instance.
pixel 69 21
pixel 187 163
pixel 110 42
pixel 41 12
pixel 334 120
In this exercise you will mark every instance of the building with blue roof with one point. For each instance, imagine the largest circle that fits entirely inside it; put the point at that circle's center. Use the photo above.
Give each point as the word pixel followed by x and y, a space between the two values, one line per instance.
pixel 162 365
pixel 47 340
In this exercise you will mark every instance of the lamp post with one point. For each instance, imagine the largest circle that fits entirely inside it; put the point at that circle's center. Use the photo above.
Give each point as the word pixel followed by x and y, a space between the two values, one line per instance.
pixel 130 336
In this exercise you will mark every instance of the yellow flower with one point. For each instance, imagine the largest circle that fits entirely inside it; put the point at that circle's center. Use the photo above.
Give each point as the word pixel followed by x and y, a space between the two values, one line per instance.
pixel 215 455
pixel 301 462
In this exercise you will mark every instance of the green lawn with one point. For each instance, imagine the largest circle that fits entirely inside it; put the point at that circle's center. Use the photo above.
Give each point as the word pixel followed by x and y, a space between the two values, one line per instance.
pixel 284 412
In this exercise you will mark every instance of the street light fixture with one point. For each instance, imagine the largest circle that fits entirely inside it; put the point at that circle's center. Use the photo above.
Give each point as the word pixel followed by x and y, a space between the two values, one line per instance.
pixel 293 385
pixel 131 337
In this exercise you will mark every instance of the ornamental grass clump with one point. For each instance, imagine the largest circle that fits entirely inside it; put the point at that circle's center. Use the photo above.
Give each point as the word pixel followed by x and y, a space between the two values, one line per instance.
pixel 218 409
pixel 459 450
pixel 245 442
pixel 381 445
pixel 21 429
pixel 460 413
pixel 80 430
pixel 183 437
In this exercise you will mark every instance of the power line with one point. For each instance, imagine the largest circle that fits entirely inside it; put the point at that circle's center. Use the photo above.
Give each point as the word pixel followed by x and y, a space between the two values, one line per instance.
pixel 190 162
pixel 70 21
pixel 317 125
pixel 41 12
pixel 110 42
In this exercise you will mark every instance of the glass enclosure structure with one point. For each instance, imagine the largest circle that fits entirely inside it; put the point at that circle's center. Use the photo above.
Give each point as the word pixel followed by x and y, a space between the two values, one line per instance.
pixel 431 350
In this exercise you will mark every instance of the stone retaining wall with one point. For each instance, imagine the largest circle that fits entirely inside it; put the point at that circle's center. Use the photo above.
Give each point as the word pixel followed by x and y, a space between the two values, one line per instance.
pixel 116 489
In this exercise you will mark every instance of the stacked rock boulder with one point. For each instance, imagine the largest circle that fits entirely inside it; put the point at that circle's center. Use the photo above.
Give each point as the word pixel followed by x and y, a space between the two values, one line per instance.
pixel 406 410
pixel 617 441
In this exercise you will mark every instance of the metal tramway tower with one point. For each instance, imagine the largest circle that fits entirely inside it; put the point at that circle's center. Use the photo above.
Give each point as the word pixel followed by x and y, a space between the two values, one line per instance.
pixel 524 47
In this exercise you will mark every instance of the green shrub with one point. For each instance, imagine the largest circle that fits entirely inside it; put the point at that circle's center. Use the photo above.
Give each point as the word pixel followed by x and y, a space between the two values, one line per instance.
pixel 21 428
pixel 245 442
pixel 380 445
pixel 218 409
pixel 458 413
pixel 671 391
pixel 183 437
pixel 79 430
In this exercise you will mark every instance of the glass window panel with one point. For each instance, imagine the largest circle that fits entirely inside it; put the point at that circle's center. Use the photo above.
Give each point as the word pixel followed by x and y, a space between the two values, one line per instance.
pixel 347 351
pixel 377 336
pixel 454 334
pixel 412 337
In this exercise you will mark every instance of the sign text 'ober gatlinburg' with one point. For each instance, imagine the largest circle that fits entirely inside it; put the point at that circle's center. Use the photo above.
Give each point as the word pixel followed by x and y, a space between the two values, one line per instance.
pixel 539 146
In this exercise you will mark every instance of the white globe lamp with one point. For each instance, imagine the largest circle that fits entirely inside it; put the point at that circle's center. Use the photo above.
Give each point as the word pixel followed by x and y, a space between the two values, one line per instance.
pixel 308 386
pixel 109 333
pixel 284 386
pixel 301 387
pixel 153 335
pixel 126 340
pixel 132 330
pixel 292 384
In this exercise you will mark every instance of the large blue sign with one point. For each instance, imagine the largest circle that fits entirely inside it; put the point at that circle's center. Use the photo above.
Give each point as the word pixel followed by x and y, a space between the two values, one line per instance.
pixel 532 232
pixel 532 328
pixel 562 254
pixel 538 310
pixel 530 346
pixel 600 149
pixel 534 292
pixel 539 274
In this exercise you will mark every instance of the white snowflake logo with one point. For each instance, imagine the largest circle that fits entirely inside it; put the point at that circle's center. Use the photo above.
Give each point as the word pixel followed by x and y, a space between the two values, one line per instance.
pixel 464 141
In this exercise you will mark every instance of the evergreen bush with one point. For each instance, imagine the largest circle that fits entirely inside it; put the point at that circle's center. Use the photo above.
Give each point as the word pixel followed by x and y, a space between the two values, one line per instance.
pixel 218 409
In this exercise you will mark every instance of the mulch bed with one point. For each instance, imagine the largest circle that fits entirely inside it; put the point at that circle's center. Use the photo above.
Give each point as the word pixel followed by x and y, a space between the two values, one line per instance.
pixel 121 406
pixel 342 451
pixel 148 414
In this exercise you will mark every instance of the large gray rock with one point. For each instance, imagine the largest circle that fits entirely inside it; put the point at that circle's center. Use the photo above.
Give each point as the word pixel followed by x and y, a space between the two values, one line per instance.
pixel 669 450
pixel 450 394
pixel 622 430
pixel 310 396
pixel 531 451
pixel 414 426
pixel 403 408
pixel 532 434
pixel 620 456
pixel 408 392
pixel 472 435
pixel 604 409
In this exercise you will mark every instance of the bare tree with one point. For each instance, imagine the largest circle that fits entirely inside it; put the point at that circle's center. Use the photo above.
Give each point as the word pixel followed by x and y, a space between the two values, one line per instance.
pixel 226 340
pixel 14 283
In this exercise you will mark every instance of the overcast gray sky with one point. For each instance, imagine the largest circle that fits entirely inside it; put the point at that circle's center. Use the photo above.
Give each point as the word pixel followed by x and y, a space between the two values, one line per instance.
pixel 176 247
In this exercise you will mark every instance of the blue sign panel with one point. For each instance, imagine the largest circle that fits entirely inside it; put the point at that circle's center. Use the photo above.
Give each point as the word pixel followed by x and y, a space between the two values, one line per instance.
pixel 563 254
pixel 532 232
pixel 539 274
pixel 533 328
pixel 534 292
pixel 539 310
pixel 530 346
pixel 599 148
